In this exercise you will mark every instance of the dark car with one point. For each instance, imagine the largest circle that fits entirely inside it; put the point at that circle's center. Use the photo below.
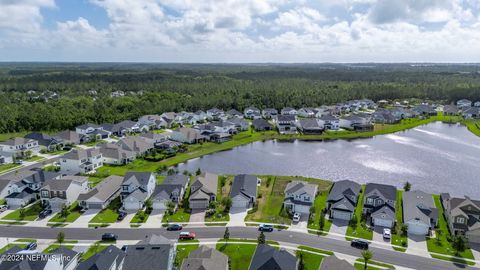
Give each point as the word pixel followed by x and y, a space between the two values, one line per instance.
pixel 174 227
pixel 121 216
pixel 265 228
pixel 356 243
pixel 31 246
pixel 124 248
pixel 109 237
pixel 45 213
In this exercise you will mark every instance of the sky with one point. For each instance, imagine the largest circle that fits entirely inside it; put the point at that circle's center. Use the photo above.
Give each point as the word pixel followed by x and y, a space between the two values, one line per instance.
pixel 240 31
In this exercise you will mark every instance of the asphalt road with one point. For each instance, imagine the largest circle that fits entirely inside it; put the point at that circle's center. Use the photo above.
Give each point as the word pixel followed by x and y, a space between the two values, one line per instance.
pixel 38 164
pixel 387 256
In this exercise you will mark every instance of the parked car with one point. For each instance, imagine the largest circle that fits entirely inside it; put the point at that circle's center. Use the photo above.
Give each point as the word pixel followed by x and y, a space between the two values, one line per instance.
pixel 31 246
pixel 121 216
pixel 124 248
pixel 296 217
pixel 109 237
pixel 174 227
pixel 387 233
pixel 186 236
pixel 45 213
pixel 19 161
pixel 361 244
pixel 3 207
pixel 265 228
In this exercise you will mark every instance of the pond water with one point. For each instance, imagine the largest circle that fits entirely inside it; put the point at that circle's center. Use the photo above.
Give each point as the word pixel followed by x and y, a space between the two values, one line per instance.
pixel 435 158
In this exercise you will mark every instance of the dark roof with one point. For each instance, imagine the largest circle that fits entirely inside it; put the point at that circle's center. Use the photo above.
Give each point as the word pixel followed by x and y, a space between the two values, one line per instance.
pixel 334 263
pixel 22 194
pixel 85 126
pixel 420 206
pixel 328 117
pixel 261 123
pixel 244 184
pixel 103 260
pixel 310 123
pixel 388 191
pixel 139 178
pixel 286 118
pixel 152 253
pixel 344 187
pixel 385 209
pixel 269 258
pixel 42 138
pixel 205 258
pixel 176 179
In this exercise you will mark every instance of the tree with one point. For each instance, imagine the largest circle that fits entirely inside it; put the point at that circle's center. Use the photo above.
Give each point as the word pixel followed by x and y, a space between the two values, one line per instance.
pixel 171 171
pixel 367 255
pixel 459 244
pixel 21 213
pixel 64 212
pixel 227 203
pixel 353 222
pixel 321 222
pixel 60 237
pixel 198 172
pixel 261 238
pixel 404 229
pixel 149 205
pixel 170 207
pixel 223 180
pixel 27 154
pixel 226 235
pixel 407 186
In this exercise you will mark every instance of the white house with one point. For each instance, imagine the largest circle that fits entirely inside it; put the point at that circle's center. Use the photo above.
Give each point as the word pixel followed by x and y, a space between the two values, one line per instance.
pixel 81 161
pixel 299 197
pixel 6 157
pixel 19 146
pixel 329 122
pixel 59 192
pixel 288 111
pixel 306 112
pixel 137 187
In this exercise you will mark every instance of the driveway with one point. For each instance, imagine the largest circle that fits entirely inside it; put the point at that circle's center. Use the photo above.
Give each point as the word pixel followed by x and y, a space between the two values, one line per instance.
pixel 197 217
pixel 300 226
pixel 125 223
pixel 82 221
pixel 237 216
pixel 417 244
pixel 154 220
pixel 475 250
pixel 40 222
pixel 338 228
pixel 378 239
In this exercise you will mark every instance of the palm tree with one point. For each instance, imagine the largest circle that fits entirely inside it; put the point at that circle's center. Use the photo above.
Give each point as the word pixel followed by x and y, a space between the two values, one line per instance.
pixel 367 255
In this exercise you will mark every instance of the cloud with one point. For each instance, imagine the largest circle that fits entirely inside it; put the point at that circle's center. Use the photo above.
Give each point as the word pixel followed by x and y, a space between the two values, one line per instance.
pixel 22 16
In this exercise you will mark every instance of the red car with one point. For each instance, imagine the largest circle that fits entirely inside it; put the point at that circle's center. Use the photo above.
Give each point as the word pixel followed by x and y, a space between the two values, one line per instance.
pixel 186 236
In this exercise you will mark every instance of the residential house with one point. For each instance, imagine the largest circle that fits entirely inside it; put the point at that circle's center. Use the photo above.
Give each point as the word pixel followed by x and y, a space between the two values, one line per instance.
pixel 299 197
pixel 92 131
pixel 203 190
pixel 286 124
pixel 86 129
pixel 56 193
pixel 384 116
pixel 234 113
pixel 154 252
pixel 463 216
pixel 81 161
pixel 464 104
pixel 169 118
pixel 307 112
pixel 477 104
pixel 201 116
pixel 379 204
pixel 6 157
pixel 110 258
pixel 155 138
pixel 171 190
pixel 239 123
pixel 261 125
pixel 244 191
pixel 215 114
pixel 204 258
pixel 40 261
pixel 355 122
pixel 187 135
pixel 425 110
pixel 153 121
pixel 137 187
pixel 252 113
pixel 472 112
pixel 289 111
pixel 136 144
pixel 332 262
pixel 220 137
pixel 450 110
pixel 269 113
pixel 322 110
pixel 329 122
pixel 115 155
pixel 268 257
pixel 419 212
pixel 128 126
pixel 102 194
pixel 20 146
pixel 44 140
pixel 310 126
pixel 223 127
pixel 342 199
pixel 71 137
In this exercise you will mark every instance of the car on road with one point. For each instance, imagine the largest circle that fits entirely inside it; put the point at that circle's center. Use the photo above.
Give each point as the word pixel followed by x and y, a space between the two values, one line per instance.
pixel 19 161
pixel 3 208
pixel 265 228
pixel 121 216
pixel 109 237
pixel 31 246
pixel 296 217
pixel 45 213
pixel 186 236
pixel 387 233
pixel 361 244
pixel 174 227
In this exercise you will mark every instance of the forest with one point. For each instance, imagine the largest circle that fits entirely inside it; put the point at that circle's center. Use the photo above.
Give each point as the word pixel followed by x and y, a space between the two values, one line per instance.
pixel 57 96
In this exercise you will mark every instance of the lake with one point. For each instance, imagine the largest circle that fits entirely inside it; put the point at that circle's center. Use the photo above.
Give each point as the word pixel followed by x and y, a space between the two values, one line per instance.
pixel 435 158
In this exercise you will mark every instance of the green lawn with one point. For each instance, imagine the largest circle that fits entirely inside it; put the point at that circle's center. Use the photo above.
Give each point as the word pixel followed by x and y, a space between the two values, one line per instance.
pixel 31 213
pixel 444 246
pixel 310 261
pixel 70 244
pixel 5 167
pixel 179 216
pixel 220 212
pixel 320 204
pixel 33 158
pixel 8 136
pixel 74 214
pixel 138 217
pixel 397 238
pixel 239 255
pixel 109 214
pixel 361 231
pixel 183 251
pixel 11 245
pixel 95 180
pixel 93 249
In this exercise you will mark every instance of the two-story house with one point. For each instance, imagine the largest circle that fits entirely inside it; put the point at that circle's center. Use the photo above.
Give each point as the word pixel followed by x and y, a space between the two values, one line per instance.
pixel 187 135
pixel 329 122
pixel 20 146
pixel 463 216
pixel 45 141
pixel 379 204
pixel 288 111
pixel 342 199
pixel 269 113
pixel 137 187
pixel 57 193
pixel 286 124
pixel 6 157
pixel 81 161
pixel 91 131
pixel 464 103
pixel 203 190
pixel 299 197
pixel 252 113
pixel 171 190
pixel 419 212
pixel 136 144
pixel 215 114
pixel 244 191
pixel 307 112
pixel 114 154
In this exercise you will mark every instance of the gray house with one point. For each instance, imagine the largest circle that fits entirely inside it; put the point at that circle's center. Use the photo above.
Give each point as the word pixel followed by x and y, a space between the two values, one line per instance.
pixel 205 258
pixel 299 197
pixel 203 191
pixel 171 190
pixel 101 196
pixel 137 187
pixel 419 212
pixel 334 263
pixel 244 191
pixel 287 124
pixel 261 125
pixel 155 252
pixel 379 204
pixel 343 199
pixel 267 257
pixel 109 258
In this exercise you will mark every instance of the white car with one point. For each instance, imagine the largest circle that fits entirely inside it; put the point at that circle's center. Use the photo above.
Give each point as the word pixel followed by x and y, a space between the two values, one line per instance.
pixel 387 233
pixel 296 217
pixel 3 207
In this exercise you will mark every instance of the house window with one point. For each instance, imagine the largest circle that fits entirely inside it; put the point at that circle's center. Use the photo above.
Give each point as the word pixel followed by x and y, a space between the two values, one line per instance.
pixel 370 201
pixel 460 220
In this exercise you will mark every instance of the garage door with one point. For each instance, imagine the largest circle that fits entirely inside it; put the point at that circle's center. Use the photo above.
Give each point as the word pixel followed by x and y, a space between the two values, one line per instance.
pixel 203 204
pixel 473 237
pixel 382 222
pixel 417 228
pixel 302 209
pixel 132 206
pixel 239 203
pixel 94 206
pixel 159 206
pixel 341 215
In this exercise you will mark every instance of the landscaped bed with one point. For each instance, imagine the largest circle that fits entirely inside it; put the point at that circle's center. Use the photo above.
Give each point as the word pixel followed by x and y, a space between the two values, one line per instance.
pixel 360 230
pixel 399 239
pixel 29 214
pixel 320 205
pixel 73 214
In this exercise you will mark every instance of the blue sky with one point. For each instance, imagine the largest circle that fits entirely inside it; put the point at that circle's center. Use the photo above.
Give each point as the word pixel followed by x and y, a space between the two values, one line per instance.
pixel 240 30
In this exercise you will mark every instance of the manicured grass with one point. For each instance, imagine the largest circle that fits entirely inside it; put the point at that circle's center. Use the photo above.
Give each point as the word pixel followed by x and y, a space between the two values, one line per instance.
pixel 454 260
pixel 137 218
pixel 70 244
pixel 310 261
pixel 33 158
pixel 361 231
pixel 220 212
pixel 9 246
pixel 444 246
pixel 27 240
pixel 179 216
pixel 320 204
pixel 109 214
pixel 94 180
pixel 397 238
pixel 183 251
pixel 74 214
pixel 31 213
pixel 360 266
pixel 316 250
pixel 5 167
pixel 93 249
pixel 375 263
pixel 8 136
pixel 239 255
